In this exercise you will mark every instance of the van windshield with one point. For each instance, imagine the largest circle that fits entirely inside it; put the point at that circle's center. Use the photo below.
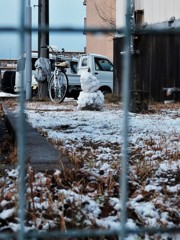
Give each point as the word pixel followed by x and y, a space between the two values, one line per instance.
pixel 102 64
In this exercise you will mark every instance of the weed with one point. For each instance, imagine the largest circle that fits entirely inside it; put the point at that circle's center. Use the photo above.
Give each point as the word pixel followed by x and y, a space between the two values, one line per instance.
pixel 112 98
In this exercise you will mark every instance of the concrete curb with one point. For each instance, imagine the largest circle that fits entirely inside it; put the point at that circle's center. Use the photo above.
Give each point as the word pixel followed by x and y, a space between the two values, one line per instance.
pixel 39 153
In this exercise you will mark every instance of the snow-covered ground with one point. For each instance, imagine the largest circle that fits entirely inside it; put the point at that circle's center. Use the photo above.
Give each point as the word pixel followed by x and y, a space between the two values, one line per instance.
pixel 7 95
pixel 87 194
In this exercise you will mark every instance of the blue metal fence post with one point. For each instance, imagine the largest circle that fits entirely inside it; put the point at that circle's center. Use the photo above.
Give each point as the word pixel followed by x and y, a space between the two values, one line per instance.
pixel 125 95
pixel 21 134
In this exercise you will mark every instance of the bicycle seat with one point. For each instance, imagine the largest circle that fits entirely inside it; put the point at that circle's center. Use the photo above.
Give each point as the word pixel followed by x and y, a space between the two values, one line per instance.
pixel 62 64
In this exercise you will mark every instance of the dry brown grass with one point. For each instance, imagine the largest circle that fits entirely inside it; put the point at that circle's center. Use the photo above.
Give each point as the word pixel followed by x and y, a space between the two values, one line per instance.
pixel 142 169
pixel 112 98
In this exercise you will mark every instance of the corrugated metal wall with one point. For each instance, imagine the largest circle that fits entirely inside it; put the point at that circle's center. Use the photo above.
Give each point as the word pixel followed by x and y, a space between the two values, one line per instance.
pixel 154 10
pixel 158 10
pixel 155 67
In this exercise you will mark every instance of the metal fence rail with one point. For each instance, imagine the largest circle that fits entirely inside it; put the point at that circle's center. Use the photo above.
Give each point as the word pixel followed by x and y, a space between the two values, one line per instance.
pixel 123 229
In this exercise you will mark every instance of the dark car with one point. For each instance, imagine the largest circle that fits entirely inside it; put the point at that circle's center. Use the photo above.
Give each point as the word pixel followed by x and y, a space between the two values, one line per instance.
pixel 8 81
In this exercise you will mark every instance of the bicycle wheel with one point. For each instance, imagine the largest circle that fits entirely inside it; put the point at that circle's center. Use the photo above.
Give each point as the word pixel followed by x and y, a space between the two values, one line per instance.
pixel 58 87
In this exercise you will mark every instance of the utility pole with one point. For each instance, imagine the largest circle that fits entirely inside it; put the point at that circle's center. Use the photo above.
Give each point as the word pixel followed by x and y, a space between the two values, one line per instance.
pixel 43 40
pixel 28 43
pixel 139 97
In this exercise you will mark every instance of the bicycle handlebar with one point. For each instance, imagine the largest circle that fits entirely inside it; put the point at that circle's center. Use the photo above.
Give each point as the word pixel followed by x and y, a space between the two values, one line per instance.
pixel 52 49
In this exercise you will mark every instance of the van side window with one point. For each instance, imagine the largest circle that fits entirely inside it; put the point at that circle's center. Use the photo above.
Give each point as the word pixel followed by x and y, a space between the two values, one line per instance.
pixel 102 64
pixel 84 62
pixel 73 66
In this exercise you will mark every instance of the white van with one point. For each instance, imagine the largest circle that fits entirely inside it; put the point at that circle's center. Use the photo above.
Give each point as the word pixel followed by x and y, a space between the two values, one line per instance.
pixel 101 67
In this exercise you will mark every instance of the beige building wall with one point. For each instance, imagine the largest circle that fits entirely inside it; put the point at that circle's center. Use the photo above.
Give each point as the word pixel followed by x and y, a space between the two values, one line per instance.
pixel 100 13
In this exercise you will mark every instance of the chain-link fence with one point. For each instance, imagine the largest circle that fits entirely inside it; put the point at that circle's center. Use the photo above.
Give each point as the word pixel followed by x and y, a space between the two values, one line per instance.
pixel 123 230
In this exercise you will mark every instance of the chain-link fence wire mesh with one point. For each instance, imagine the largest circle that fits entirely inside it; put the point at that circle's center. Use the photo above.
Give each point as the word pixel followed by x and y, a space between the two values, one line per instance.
pixel 123 230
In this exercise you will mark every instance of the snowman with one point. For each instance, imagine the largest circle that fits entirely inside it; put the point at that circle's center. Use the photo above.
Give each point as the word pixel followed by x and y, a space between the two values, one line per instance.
pixel 90 98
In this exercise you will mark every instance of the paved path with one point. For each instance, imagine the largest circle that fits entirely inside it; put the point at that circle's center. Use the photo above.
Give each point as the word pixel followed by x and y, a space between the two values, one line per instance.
pixel 40 154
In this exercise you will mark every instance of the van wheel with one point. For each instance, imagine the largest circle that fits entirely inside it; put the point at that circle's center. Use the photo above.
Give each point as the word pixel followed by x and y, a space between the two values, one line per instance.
pixel 105 90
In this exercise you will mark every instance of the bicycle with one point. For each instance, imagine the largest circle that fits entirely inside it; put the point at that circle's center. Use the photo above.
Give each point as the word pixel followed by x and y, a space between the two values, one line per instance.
pixel 58 82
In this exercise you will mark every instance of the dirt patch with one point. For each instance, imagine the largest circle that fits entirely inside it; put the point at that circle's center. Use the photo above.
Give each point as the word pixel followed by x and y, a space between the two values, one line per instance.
pixel 8 154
